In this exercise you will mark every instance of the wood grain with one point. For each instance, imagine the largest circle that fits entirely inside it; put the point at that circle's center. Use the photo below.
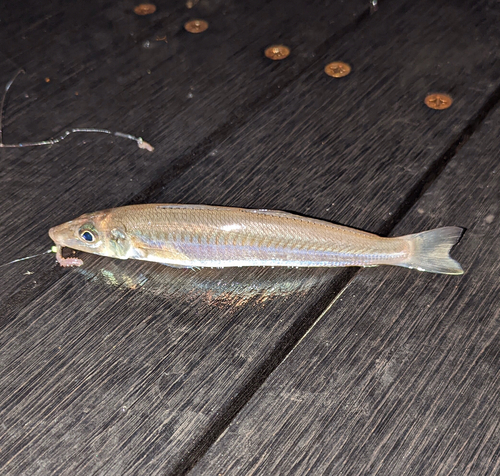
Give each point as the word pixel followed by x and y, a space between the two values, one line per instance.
pixel 402 374
pixel 184 96
pixel 133 368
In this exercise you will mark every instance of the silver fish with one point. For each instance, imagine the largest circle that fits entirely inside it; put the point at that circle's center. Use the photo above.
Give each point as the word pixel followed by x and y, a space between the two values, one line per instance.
pixel 192 236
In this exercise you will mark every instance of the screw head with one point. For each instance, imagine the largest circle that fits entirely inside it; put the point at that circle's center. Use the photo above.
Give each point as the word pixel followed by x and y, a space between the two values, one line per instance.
pixel 337 69
pixel 438 101
pixel 196 26
pixel 277 52
pixel 145 9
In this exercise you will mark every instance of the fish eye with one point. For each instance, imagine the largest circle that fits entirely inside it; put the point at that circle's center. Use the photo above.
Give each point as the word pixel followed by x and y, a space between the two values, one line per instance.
pixel 87 235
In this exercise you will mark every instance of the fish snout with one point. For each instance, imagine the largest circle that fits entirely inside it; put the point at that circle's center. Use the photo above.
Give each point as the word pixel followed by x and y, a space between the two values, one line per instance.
pixel 59 234
pixel 52 234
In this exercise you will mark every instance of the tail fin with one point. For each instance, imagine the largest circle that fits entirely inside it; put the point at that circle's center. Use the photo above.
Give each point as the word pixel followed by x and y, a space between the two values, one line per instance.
pixel 430 250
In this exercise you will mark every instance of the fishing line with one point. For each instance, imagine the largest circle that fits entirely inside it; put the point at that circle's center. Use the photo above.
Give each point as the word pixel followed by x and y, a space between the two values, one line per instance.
pixel 52 250
pixel 142 144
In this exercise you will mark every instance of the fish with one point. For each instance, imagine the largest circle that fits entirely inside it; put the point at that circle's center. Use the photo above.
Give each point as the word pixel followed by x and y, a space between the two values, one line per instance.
pixel 198 236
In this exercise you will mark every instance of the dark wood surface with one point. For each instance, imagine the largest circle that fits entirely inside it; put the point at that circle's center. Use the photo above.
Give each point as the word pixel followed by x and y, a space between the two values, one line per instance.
pixel 136 368
pixel 401 374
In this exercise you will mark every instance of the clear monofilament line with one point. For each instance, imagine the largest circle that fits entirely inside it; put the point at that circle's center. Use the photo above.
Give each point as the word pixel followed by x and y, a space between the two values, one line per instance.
pixel 29 257
pixel 142 144
pixel 2 103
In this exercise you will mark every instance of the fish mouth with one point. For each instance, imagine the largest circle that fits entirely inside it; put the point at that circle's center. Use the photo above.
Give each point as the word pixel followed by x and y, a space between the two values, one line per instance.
pixel 57 235
pixel 62 235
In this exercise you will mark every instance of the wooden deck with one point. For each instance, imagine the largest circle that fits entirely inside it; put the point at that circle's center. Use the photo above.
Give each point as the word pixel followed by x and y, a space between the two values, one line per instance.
pixel 134 368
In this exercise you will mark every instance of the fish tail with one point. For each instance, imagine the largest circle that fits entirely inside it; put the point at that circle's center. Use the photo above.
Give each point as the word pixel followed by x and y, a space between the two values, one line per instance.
pixel 430 250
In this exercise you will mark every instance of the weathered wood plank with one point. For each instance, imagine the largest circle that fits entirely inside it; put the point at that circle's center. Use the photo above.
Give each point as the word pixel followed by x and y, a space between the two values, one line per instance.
pixel 200 89
pixel 185 360
pixel 402 374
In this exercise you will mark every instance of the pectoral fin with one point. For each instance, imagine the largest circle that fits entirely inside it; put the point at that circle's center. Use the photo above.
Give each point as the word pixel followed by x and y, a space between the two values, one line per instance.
pixel 166 254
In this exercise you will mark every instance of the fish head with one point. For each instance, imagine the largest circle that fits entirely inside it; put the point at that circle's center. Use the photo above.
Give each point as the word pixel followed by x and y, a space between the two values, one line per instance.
pixel 93 233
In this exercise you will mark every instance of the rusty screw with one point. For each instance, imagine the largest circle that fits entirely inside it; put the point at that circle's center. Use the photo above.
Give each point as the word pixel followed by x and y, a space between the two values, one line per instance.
pixel 196 26
pixel 277 52
pixel 145 9
pixel 438 101
pixel 337 69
